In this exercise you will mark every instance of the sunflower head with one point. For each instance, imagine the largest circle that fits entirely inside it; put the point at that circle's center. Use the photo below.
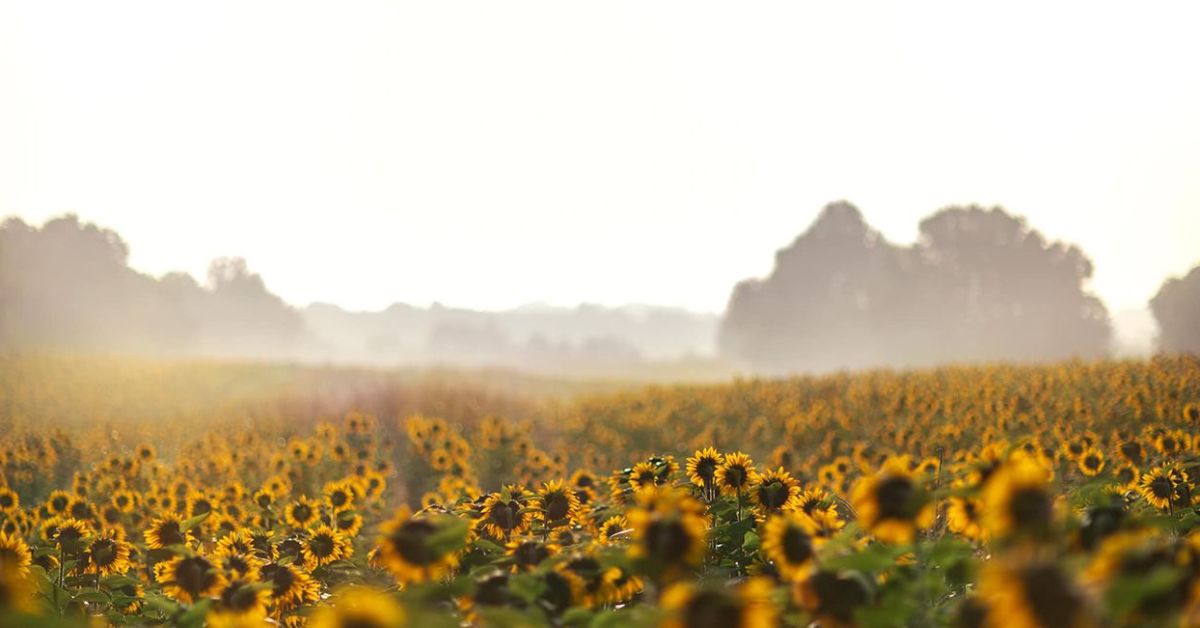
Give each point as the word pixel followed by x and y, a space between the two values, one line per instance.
pixel 789 541
pixel 735 473
pixel 1018 501
pixel 702 467
pixel 1027 590
pixel 417 549
pixel 360 607
pixel 189 579
pixel 891 504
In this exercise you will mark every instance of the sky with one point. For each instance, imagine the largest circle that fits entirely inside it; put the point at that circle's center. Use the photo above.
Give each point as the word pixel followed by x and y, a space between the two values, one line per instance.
pixel 489 154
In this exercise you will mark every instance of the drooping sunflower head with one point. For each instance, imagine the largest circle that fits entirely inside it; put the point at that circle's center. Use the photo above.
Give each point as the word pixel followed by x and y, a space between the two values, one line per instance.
pixel 735 473
pixel 360 607
pixel 789 541
pixel 890 504
pixel 748 605
pixel 702 467
pixel 417 549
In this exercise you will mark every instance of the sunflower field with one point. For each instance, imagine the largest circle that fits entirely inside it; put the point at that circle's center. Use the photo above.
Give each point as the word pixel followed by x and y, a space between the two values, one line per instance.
pixel 1057 495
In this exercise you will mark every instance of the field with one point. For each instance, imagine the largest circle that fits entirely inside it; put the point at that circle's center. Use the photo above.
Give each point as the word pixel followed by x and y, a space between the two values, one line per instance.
pixel 139 492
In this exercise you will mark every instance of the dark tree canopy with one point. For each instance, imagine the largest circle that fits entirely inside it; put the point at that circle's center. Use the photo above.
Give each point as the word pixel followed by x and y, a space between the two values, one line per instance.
pixel 67 285
pixel 1176 307
pixel 978 285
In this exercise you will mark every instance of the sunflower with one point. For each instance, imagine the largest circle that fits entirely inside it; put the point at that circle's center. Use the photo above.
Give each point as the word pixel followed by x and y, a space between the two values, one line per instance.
pixel 124 501
pixel 1024 591
pixel 1158 487
pixel 237 565
pixel 339 496
pixel 702 470
pixel 501 518
pixel 291 586
pixel 14 554
pixel 963 517
pixel 735 473
pixel 1126 477
pixel 10 502
pixel 69 534
pixel 833 598
pixel 812 499
pixel 166 531
pixel 1017 500
pixel 890 504
pixel 348 523
pixel 189 579
pixel 302 513
pixel 240 603
pixel 557 505
pixel 58 502
pixel 789 541
pixel 1132 451
pixel 529 553
pixel 1169 444
pixel 407 550
pixel 643 475
pixel 359 607
pixel 1090 462
pixel 772 490
pixel 609 530
pixel 1191 413
pixel 668 531
pixel 107 555
pixel 325 545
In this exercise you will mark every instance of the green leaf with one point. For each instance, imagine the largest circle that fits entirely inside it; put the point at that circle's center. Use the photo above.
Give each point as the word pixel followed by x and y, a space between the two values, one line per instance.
pixel 188 524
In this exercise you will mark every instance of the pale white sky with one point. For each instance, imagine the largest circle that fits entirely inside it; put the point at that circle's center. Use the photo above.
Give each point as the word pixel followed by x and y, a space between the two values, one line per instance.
pixel 489 154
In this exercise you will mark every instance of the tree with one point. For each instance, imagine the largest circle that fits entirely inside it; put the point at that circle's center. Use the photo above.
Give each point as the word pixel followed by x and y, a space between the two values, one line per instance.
pixel 1176 307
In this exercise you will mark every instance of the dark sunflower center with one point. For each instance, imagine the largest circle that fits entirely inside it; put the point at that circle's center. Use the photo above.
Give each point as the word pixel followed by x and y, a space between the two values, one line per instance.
pixel 531 553
pixel 773 494
pixel 712 609
pixel 492 591
pixel 282 581
pixel 706 469
pixel 667 541
pixel 1125 476
pixel 6 500
pixel 838 596
pixel 1161 487
pixel 80 510
pixel 321 545
pixel 238 597
pixel 1030 507
pixel 200 507
pixel 58 503
pixel 735 476
pixel 302 513
pixel 194 575
pixel 557 507
pixel 504 515
pixel 1132 451
pixel 1091 462
pixel 1049 596
pixel 797 546
pixel 338 498
pixel 104 552
pixel 895 497
pixel 409 541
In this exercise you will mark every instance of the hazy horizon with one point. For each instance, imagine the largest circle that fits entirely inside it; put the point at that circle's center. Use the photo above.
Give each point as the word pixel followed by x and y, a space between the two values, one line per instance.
pixel 628 153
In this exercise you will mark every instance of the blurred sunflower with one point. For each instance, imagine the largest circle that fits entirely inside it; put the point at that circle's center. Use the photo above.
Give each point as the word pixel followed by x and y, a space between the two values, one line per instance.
pixel 165 531
pixel 1030 592
pixel 188 579
pixel 359 607
pixel 890 504
pixel 789 541
pixel 302 513
pixel 407 547
pixel 773 490
pixel 1017 500
pixel 324 545
pixel 14 554
pixel 291 586
pixel 556 504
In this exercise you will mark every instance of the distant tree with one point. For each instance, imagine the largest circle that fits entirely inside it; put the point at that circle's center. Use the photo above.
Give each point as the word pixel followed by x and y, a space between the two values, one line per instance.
pixel 978 285
pixel 816 308
pixel 1176 307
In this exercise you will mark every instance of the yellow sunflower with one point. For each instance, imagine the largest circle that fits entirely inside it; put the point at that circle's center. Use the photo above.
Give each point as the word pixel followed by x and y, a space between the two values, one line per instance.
pixel 1017 500
pixel 773 490
pixel 747 606
pixel 890 504
pixel 789 541
pixel 14 554
pixel 324 545
pixel 556 504
pixel 702 470
pixel 107 555
pixel 1031 592
pixel 302 513
pixel 360 607
pixel 406 547
pixel 166 531
pixel 291 586
pixel 189 579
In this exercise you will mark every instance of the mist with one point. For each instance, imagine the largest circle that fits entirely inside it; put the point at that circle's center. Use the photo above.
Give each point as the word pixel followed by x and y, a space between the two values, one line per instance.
pixel 979 285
